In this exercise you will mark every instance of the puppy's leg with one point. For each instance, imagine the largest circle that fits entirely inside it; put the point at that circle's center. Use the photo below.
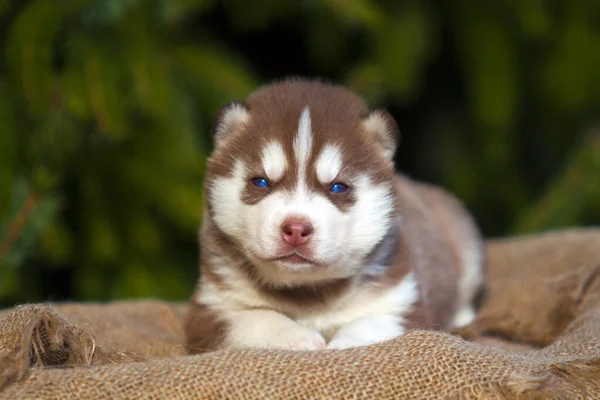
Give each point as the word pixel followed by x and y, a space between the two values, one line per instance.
pixel 270 330
pixel 367 330
pixel 470 284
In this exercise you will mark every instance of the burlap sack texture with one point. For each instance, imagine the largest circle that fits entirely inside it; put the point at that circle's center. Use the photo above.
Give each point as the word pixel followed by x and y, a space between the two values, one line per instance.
pixel 537 336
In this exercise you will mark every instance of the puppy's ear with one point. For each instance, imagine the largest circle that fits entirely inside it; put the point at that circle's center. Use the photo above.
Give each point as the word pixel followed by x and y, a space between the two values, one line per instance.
pixel 229 119
pixel 380 125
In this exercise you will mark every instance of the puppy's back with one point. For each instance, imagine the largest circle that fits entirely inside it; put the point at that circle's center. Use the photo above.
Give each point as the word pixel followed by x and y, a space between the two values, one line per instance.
pixel 447 252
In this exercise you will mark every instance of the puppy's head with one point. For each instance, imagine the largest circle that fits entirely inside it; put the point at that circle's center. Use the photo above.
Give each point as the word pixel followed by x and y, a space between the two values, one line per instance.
pixel 301 179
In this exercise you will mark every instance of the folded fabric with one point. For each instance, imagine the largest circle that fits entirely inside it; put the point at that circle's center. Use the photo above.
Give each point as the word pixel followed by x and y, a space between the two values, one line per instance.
pixel 537 336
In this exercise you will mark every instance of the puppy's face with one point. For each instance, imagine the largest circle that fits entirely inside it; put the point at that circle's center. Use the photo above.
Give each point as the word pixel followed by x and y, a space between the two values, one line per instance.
pixel 302 180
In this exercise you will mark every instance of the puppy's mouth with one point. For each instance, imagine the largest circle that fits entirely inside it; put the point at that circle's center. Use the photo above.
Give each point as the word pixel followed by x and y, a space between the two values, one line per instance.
pixel 294 258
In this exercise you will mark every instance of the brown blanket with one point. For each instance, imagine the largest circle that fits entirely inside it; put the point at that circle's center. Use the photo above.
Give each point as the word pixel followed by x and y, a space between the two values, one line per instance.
pixel 537 336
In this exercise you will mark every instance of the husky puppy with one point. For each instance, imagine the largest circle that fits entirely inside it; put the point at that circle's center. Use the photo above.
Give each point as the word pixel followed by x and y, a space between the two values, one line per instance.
pixel 311 240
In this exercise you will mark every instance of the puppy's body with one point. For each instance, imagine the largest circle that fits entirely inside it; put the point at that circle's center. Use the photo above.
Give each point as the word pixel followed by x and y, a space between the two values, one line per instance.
pixel 310 239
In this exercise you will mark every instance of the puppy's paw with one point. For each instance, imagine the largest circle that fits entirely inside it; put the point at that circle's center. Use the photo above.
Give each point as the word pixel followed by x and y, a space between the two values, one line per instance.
pixel 297 338
pixel 463 317
pixel 267 329
pixel 366 331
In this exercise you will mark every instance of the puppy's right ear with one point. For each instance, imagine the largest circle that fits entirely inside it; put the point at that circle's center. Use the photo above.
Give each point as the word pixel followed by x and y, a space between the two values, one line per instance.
pixel 384 130
pixel 229 119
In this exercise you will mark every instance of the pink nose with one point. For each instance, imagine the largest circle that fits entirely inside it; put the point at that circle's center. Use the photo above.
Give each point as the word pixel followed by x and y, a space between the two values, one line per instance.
pixel 296 232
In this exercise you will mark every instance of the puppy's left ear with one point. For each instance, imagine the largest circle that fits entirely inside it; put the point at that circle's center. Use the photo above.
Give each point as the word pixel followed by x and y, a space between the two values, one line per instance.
pixel 380 125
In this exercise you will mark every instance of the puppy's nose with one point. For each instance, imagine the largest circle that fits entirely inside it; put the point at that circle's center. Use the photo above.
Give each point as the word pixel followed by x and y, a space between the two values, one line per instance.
pixel 296 232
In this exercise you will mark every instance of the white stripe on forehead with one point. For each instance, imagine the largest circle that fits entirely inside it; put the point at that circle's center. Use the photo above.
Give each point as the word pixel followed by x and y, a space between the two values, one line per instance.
pixel 303 143
pixel 329 164
pixel 273 160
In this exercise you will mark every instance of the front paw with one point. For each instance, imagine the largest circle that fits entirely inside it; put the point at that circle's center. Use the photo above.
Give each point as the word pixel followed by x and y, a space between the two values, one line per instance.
pixel 267 329
pixel 297 338
pixel 366 331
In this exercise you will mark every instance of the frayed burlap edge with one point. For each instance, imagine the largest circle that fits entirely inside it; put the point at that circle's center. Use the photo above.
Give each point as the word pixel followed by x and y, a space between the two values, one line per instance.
pixel 37 336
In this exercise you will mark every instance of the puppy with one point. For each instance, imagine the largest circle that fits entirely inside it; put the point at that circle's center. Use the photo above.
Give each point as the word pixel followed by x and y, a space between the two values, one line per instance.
pixel 310 240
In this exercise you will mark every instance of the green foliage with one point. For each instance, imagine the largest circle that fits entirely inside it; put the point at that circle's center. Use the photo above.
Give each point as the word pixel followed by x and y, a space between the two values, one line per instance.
pixel 572 194
pixel 103 110
pixel 106 106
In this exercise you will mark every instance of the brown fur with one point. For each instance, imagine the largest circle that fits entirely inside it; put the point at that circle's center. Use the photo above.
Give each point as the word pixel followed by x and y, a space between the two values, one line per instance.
pixel 204 330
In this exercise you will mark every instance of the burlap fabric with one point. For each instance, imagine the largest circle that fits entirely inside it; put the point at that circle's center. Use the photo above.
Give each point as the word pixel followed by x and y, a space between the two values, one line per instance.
pixel 537 336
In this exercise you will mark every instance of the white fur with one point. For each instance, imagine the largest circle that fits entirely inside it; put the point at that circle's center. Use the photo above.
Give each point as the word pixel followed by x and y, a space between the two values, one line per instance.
pixel 242 295
pixel 463 317
pixel 371 216
pixel 303 143
pixel 340 240
pixel 469 283
pixel 250 324
pixel 364 316
pixel 361 303
pixel 225 194
pixel 232 118
pixel 326 243
pixel 274 161
pixel 271 330
pixel 366 331
pixel 377 125
pixel 329 164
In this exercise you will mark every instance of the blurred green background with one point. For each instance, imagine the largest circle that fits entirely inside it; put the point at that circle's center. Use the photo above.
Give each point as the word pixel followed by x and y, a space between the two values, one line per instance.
pixel 106 106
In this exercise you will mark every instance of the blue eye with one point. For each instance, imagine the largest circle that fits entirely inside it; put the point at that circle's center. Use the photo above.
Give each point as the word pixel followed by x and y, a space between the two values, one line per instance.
pixel 260 182
pixel 338 188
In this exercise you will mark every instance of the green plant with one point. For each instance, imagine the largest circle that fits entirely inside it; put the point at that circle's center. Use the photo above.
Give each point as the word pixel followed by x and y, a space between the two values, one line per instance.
pixel 106 106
